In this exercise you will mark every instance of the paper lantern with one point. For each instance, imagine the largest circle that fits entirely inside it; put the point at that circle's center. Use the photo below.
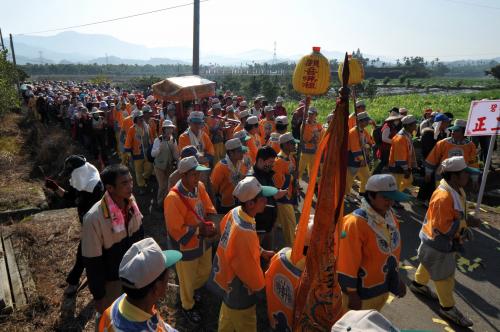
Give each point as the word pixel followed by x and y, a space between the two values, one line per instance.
pixel 356 71
pixel 312 74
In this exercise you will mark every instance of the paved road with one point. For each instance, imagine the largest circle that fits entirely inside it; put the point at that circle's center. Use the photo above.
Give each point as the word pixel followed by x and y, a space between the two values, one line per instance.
pixel 477 292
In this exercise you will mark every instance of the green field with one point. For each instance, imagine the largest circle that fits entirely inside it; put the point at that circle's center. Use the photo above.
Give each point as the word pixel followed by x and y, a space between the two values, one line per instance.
pixel 445 82
pixel 379 107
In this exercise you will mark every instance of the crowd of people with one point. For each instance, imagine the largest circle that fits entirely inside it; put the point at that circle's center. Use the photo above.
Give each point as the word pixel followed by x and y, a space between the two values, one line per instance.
pixel 229 183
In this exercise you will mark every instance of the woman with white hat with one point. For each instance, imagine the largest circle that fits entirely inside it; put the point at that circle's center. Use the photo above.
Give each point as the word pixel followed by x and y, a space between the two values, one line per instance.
pixel 166 153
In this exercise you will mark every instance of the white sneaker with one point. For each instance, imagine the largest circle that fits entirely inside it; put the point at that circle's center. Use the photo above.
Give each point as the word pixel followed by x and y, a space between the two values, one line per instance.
pixel 456 317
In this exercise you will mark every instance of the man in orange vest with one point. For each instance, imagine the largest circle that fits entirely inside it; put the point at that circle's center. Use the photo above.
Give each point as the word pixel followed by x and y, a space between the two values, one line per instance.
pixel 196 136
pixel 456 145
pixel 359 141
pixel 284 168
pixel 267 125
pixel 187 208
pixel 442 235
pixel 144 275
pixel 402 158
pixel 282 279
pixel 369 248
pixel 312 131
pixel 227 173
pixel 237 276
pixel 138 141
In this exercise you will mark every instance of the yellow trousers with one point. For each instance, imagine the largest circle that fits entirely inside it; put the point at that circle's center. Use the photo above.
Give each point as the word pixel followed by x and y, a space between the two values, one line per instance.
pixel 362 173
pixel 287 221
pixel 230 320
pixel 402 182
pixel 306 161
pixel 143 170
pixel 444 288
pixel 220 152
pixel 375 303
pixel 193 275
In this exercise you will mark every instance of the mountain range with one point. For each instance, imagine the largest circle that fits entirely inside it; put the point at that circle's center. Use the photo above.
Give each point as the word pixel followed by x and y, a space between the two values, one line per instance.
pixel 74 47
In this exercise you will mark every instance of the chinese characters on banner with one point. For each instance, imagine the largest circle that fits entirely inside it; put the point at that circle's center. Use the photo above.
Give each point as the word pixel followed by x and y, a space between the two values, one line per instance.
pixel 484 118
pixel 311 71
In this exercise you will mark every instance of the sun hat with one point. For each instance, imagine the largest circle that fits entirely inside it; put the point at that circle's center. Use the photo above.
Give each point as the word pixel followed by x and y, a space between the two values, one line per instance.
pixel 167 124
pixel 393 115
pixel 144 262
pixel 248 188
pixel 386 185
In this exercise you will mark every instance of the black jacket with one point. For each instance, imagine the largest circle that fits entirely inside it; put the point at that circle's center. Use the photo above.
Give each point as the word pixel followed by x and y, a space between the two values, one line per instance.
pixel 265 220
pixel 83 199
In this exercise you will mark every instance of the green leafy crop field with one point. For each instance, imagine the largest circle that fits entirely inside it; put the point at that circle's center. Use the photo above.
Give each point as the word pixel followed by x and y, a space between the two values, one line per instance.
pixel 379 107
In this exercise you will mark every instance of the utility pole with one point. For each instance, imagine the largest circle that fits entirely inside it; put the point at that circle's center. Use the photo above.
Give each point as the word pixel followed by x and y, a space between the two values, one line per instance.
pixel 196 38
pixel 1 39
pixel 14 61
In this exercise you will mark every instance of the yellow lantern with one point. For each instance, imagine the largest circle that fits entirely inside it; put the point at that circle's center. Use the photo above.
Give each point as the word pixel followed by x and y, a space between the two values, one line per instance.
pixel 312 74
pixel 356 71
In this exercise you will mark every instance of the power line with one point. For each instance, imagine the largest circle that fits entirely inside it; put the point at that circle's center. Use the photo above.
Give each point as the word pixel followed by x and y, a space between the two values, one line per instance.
pixel 473 4
pixel 110 20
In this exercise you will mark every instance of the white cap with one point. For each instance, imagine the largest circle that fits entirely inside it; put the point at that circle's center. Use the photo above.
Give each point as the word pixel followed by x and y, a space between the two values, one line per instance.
pixel 386 184
pixel 363 116
pixel 252 120
pixel 403 111
pixel 457 164
pixel 243 114
pixel 234 143
pixel 144 262
pixel 409 119
pixel 150 98
pixel 196 117
pixel 279 99
pixel 243 103
pixel 282 120
pixel 167 124
pixel 268 109
pixel 360 103
pixel 287 137
pixel 363 321
pixel 248 188
pixel 217 106
pixel 190 163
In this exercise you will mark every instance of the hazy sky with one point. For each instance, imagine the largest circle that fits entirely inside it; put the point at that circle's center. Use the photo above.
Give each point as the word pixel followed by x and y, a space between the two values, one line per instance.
pixel 447 29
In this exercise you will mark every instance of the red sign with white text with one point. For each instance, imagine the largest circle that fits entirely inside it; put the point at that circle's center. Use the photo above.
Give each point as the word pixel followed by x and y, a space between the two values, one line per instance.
pixel 484 118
